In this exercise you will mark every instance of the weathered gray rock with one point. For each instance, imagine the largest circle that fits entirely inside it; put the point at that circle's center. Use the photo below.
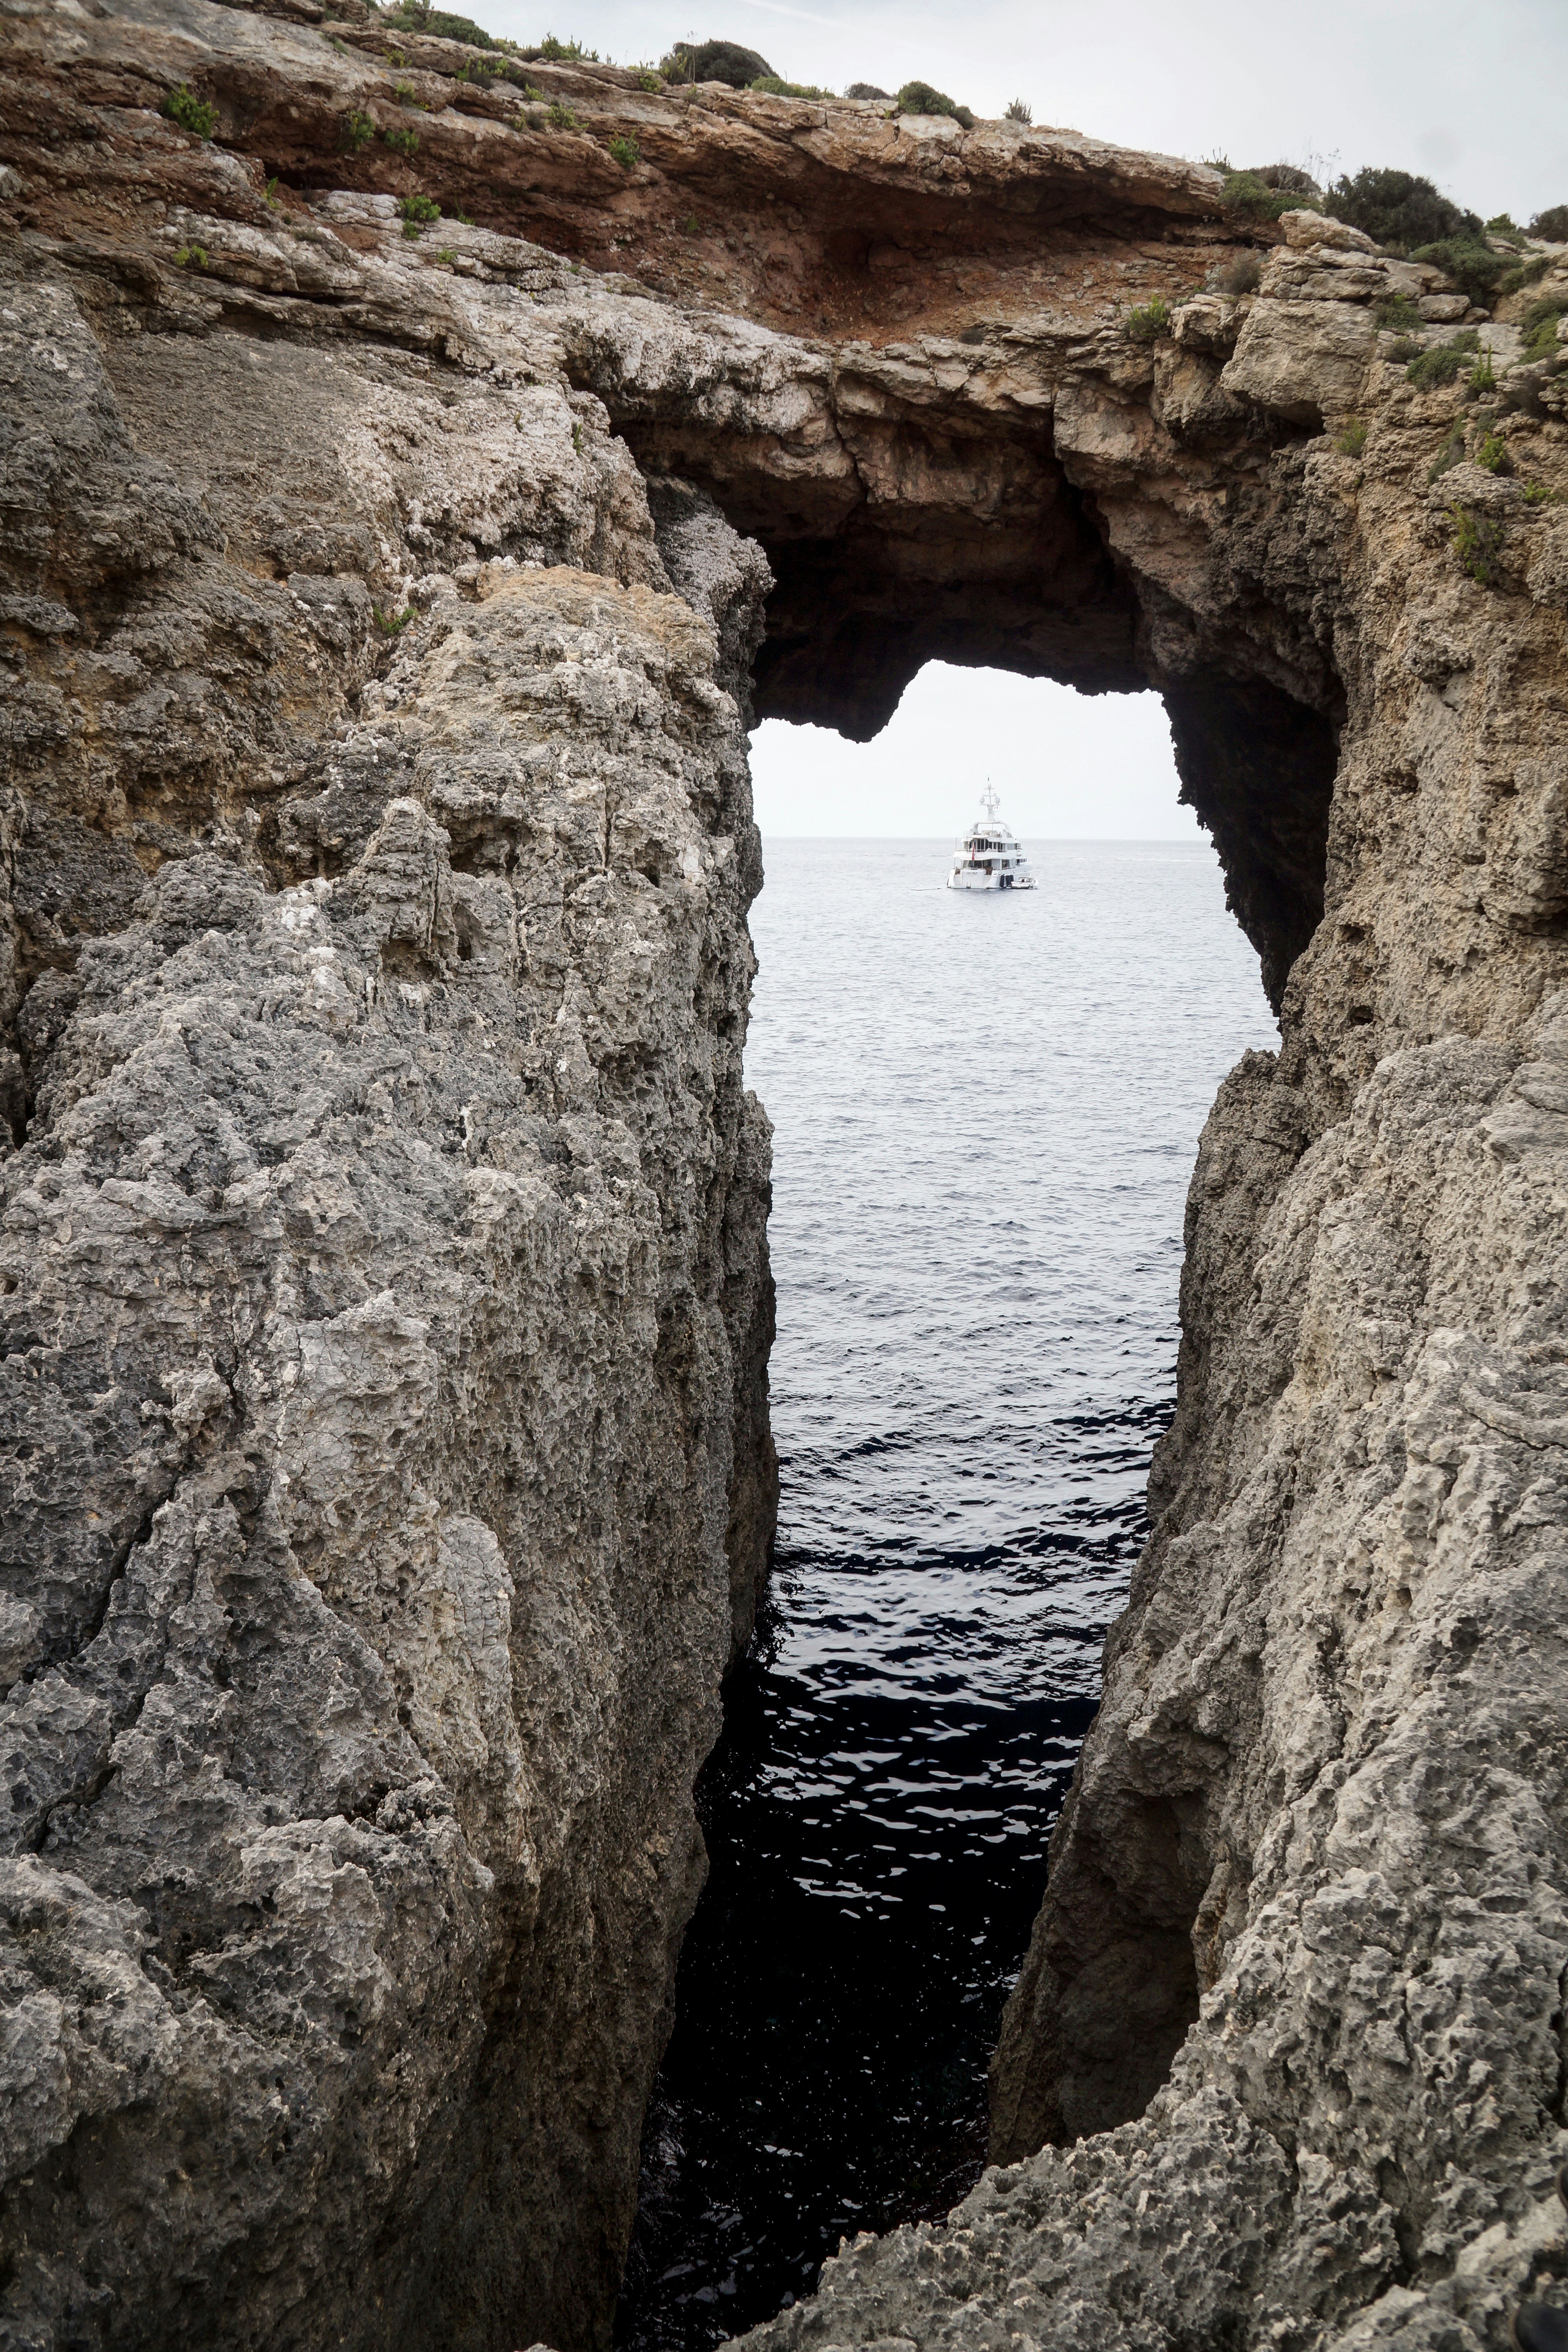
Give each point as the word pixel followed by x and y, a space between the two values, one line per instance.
pixel 386 1310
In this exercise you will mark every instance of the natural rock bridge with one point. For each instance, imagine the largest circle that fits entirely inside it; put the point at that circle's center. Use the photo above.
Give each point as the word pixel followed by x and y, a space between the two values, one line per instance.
pixel 383 1290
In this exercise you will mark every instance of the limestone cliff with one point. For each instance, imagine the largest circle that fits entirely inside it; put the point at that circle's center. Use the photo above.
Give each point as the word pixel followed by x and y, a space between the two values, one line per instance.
pixel 386 1300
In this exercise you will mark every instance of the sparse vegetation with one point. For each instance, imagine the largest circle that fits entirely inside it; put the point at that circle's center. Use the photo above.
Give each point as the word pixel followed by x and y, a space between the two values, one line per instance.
pixel 1536 493
pixel 1352 438
pixel 625 152
pixel 407 95
pixel 776 87
pixel 418 213
pixel 1441 363
pixel 920 97
pixel 1523 274
pixel 191 256
pixel 1482 378
pixel 392 624
pixel 1242 274
pixel 690 225
pixel 1491 453
pixel 271 198
pixel 577 438
pixel 1478 544
pixel 1451 454
pixel 358 132
pixel 1538 327
pixel 448 255
pixel 403 142
pixel 193 114
pixel 650 80
pixel 868 90
pixel 563 52
pixel 1468 261
pixel 1150 320
pixel 1245 191
pixel 560 118
pixel 444 25
pixel 1019 110
pixel 1552 225
pixel 1399 314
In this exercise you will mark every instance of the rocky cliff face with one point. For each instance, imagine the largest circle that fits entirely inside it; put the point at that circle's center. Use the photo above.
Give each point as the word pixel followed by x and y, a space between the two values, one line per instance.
pixel 385 1299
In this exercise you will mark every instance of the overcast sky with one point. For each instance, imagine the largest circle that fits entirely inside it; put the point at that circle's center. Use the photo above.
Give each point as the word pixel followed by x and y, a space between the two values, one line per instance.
pixel 1065 765
pixel 1473 98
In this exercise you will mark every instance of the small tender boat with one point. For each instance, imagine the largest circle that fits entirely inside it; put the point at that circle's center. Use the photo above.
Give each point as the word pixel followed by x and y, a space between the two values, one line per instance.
pixel 990 857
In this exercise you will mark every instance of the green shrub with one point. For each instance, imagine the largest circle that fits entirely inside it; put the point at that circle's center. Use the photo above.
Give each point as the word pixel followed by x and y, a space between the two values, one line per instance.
pixel 1397 209
pixel 1019 110
pixel 563 52
pixel 690 225
pixel 776 88
pixel 1478 544
pixel 1539 326
pixel 867 90
pixel 1523 274
pixel 1500 224
pixel 443 25
pixel 1552 225
pixel 392 624
pixel 402 143
pixel 271 199
pixel 920 97
pixel 191 256
pixel 358 132
pixel 728 61
pixel 407 95
pixel 1352 440
pixel 1150 320
pixel 650 80
pixel 1439 366
pixel 182 105
pixel 1482 378
pixel 560 118
pixel 1468 261
pixel 1536 493
pixel 1491 452
pixel 1407 348
pixel 418 213
pixel 1398 311
pixel 625 152
pixel 1243 191
pixel 447 254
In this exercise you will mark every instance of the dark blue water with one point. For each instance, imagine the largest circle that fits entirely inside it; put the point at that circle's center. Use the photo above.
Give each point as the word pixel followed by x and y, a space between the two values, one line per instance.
pixel 985 1109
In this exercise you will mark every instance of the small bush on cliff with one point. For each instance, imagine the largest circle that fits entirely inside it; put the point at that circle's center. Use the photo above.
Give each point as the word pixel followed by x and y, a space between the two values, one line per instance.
pixel 392 624
pixel 922 97
pixel 1399 315
pixel 1396 209
pixel 563 52
pixel 647 79
pixel 407 95
pixel 1352 439
pixel 1451 454
pixel 560 118
pixel 191 256
pixel 1491 453
pixel 443 25
pixel 625 152
pixel 774 86
pixel 729 61
pixel 1552 225
pixel 1539 326
pixel 192 113
pixel 1019 110
pixel 1150 320
pixel 358 132
pixel 1243 191
pixel 418 213
pixel 1482 378
pixel 1470 262
pixel 1523 274
pixel 1441 363
pixel 868 90
pixel 1242 274
pixel 403 142
pixel 1478 544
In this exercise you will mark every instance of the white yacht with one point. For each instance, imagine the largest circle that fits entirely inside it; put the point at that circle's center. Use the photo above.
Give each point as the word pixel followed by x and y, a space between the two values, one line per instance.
pixel 990 857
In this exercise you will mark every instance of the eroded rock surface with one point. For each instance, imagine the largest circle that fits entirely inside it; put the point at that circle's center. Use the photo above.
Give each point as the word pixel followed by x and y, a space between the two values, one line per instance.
pixel 385 1302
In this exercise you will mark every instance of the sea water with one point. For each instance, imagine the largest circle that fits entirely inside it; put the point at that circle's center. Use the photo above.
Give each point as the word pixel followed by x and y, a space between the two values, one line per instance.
pixel 985 1108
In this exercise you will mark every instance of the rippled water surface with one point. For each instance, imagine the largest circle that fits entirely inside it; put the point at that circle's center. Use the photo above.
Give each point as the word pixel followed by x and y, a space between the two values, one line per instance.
pixel 985 1109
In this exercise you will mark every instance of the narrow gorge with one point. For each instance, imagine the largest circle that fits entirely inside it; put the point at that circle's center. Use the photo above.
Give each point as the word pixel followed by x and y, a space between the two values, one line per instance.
pixel 384 1300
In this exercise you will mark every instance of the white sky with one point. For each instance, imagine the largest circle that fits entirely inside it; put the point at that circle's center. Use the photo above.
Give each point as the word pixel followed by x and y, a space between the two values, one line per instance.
pixel 1473 98
pixel 1065 766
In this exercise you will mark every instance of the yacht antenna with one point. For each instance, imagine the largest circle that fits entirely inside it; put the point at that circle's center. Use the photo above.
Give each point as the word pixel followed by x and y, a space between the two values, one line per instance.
pixel 989 802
